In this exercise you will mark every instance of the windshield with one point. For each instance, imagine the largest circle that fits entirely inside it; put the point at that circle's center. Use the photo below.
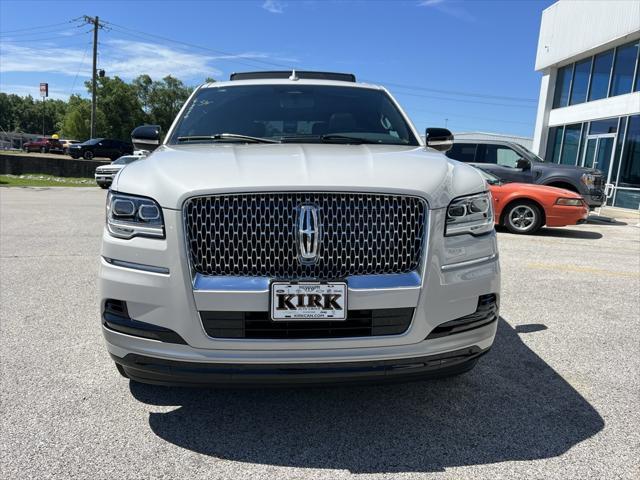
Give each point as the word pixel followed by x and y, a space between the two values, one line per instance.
pixel 293 113
pixel 491 179
pixel 124 160
pixel 93 141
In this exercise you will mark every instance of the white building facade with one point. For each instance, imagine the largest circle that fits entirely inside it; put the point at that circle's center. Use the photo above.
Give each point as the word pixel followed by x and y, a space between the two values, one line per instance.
pixel 589 106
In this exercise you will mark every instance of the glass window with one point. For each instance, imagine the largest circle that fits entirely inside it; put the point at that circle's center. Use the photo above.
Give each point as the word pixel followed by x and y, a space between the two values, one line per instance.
pixel 463 152
pixel 610 125
pixel 600 75
pixel 502 155
pixel 623 69
pixel 563 85
pixel 570 144
pixel 630 166
pixel 554 142
pixel 295 113
pixel 627 199
pixel 580 81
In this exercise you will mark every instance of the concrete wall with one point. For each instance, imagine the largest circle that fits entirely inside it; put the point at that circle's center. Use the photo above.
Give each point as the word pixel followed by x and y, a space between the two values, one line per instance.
pixel 60 167
pixel 582 27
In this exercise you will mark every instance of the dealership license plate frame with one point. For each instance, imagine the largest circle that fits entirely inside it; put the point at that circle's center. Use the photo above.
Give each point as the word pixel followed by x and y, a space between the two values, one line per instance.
pixel 309 315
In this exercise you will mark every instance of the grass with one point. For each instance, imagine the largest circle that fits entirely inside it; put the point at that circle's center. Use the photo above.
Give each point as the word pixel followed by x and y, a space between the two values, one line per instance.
pixel 41 180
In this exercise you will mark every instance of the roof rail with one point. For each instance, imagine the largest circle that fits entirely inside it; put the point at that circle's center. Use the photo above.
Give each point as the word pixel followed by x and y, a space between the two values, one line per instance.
pixel 294 75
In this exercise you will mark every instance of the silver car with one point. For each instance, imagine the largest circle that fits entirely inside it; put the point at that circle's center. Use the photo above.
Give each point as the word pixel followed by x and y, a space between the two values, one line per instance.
pixel 292 227
pixel 104 173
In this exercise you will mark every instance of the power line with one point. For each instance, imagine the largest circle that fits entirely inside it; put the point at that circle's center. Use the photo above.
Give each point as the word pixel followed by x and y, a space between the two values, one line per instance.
pixel 31 40
pixel 137 32
pixel 465 101
pixel 41 26
pixel 40 32
pixel 460 93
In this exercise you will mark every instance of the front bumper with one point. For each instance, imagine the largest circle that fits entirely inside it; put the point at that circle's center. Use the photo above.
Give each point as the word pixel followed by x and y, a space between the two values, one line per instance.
pixel 168 372
pixel 594 199
pixel 455 273
pixel 104 178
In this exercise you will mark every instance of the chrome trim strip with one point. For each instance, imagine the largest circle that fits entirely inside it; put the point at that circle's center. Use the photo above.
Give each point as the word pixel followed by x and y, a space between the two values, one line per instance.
pixel 136 266
pixel 388 281
pixel 469 263
pixel 230 284
pixel 204 283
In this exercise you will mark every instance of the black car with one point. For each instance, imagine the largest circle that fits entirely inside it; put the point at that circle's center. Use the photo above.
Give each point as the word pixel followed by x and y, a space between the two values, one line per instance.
pixel 511 162
pixel 100 147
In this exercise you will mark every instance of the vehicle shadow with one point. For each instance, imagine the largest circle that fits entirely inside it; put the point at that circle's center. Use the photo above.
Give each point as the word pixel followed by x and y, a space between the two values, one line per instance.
pixel 562 232
pixel 512 406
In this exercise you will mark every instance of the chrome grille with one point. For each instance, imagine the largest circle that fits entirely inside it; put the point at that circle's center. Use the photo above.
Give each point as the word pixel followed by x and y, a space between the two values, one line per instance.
pixel 255 234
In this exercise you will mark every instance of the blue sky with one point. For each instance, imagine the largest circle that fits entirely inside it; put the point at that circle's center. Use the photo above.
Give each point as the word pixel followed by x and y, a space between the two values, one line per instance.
pixel 468 64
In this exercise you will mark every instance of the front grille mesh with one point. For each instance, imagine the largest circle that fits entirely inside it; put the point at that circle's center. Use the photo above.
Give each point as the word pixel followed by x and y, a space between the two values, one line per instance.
pixel 255 234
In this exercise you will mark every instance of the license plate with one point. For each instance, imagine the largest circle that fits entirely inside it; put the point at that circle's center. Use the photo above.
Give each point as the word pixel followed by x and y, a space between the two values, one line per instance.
pixel 308 301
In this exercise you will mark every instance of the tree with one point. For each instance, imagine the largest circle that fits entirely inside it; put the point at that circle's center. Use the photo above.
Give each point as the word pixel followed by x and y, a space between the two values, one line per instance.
pixel 118 101
pixel 161 100
pixel 77 121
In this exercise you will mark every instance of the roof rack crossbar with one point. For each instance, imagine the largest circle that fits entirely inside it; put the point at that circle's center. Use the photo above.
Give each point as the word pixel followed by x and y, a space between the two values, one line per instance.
pixel 302 74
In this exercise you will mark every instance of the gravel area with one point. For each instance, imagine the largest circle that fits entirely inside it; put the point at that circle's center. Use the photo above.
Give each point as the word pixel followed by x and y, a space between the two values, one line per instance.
pixel 557 397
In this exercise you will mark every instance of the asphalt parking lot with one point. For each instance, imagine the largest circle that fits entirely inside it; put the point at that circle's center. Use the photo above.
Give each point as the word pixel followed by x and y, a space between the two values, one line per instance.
pixel 557 397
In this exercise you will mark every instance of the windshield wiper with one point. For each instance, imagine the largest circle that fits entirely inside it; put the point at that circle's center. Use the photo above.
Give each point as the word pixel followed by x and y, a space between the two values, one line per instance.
pixel 346 138
pixel 226 136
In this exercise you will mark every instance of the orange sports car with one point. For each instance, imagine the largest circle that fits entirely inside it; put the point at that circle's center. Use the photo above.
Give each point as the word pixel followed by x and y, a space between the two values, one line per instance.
pixel 525 207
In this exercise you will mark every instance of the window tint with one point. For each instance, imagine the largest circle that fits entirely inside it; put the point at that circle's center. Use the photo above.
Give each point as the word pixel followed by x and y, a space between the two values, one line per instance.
pixel 501 155
pixel 623 69
pixel 580 82
pixel 600 75
pixel 630 167
pixel 463 152
pixel 610 125
pixel 563 84
pixel 570 144
pixel 553 144
pixel 297 112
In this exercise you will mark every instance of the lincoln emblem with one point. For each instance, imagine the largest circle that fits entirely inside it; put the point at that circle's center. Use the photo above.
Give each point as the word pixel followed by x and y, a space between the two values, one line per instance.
pixel 308 234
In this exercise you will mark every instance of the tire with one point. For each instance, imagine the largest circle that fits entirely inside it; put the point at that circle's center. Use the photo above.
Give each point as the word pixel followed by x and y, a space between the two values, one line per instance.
pixel 104 186
pixel 522 217
pixel 75 157
pixel 121 371
pixel 88 155
pixel 43 150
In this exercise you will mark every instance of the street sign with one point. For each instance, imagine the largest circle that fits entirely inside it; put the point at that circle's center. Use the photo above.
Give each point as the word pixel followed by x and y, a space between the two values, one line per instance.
pixel 44 89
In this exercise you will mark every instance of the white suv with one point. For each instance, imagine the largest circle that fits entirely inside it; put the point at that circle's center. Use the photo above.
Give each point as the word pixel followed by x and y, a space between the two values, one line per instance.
pixel 292 227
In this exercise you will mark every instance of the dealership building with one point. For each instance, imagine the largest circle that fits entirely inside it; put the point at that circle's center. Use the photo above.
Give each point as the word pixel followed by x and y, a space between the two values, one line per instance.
pixel 589 107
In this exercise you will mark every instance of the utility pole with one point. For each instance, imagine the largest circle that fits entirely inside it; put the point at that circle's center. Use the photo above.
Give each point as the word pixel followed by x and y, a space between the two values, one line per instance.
pixel 96 25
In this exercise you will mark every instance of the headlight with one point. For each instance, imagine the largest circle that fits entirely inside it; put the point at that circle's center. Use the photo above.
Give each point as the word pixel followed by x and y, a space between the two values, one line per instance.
pixel 129 216
pixel 589 179
pixel 472 214
pixel 572 202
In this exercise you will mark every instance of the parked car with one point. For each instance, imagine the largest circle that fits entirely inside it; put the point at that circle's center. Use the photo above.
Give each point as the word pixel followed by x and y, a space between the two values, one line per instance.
pixel 279 234
pixel 66 143
pixel 104 173
pixel 525 207
pixel 100 147
pixel 43 145
pixel 512 162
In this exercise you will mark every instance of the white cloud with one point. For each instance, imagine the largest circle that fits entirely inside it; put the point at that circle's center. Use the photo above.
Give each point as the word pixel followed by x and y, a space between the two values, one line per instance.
pixel 128 59
pixel 273 6
pixel 124 58
pixel 450 8
pixel 68 61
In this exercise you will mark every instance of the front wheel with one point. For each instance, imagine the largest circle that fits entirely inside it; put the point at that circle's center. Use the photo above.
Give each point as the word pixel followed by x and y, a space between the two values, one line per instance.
pixel 43 150
pixel 88 155
pixel 522 218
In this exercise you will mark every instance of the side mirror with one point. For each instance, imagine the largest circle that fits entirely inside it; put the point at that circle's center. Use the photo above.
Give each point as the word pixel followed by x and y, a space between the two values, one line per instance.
pixel 146 137
pixel 439 139
pixel 523 164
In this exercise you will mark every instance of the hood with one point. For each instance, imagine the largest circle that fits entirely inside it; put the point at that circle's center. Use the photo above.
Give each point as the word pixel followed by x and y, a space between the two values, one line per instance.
pixel 560 166
pixel 174 173
pixel 533 189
